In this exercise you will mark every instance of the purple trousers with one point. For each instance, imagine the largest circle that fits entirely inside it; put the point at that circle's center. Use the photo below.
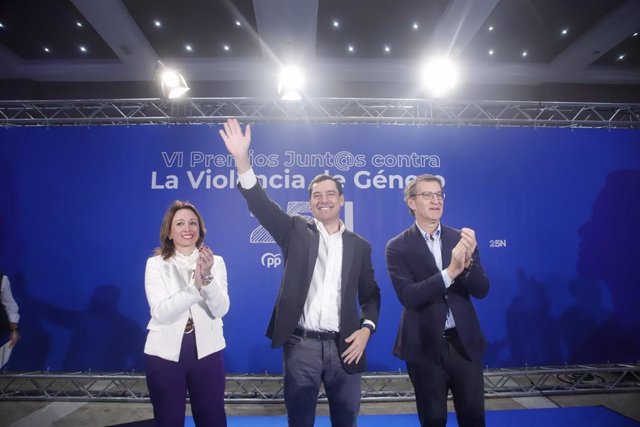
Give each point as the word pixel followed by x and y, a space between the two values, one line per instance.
pixel 168 383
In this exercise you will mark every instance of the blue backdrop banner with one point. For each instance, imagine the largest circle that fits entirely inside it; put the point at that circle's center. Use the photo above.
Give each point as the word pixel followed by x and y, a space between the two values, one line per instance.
pixel 555 212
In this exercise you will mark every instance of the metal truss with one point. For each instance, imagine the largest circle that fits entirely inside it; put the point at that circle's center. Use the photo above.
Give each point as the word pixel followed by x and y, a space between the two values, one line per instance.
pixel 252 388
pixel 319 110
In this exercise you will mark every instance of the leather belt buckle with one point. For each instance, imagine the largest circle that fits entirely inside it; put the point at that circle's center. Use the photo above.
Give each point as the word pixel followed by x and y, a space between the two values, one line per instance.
pixel 188 328
pixel 314 335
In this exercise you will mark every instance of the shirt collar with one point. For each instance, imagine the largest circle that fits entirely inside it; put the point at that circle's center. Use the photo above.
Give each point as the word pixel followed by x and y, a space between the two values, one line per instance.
pixel 324 231
pixel 436 233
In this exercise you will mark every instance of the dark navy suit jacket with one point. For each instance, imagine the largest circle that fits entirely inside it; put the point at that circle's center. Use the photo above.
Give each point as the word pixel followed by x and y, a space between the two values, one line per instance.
pixel 425 299
pixel 299 240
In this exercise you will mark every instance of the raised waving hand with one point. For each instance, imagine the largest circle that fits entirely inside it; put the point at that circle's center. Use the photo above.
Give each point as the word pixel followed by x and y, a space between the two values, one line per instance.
pixel 237 143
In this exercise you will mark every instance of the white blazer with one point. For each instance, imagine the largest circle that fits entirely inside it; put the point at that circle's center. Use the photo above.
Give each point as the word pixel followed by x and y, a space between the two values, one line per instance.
pixel 173 296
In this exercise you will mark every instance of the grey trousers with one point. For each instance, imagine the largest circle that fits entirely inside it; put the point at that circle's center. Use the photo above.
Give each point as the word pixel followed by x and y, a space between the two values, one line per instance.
pixel 307 364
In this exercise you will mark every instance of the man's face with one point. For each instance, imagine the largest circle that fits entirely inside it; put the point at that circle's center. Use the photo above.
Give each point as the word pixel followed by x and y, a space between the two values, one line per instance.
pixel 325 201
pixel 427 210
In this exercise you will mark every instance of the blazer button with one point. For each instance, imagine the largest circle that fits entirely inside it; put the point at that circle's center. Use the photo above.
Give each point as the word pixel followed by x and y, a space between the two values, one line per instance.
pixel 446 297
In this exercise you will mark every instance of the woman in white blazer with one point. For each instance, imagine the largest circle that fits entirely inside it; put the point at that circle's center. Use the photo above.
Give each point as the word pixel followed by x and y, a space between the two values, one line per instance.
pixel 186 287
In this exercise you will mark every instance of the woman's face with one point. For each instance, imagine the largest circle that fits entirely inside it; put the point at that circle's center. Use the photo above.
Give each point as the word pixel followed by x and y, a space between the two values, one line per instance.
pixel 185 231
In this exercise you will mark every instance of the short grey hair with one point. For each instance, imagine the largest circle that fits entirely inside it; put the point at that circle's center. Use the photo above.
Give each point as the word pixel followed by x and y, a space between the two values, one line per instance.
pixel 410 189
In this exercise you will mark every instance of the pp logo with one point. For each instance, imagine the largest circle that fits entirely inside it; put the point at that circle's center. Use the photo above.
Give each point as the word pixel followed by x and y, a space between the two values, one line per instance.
pixel 270 260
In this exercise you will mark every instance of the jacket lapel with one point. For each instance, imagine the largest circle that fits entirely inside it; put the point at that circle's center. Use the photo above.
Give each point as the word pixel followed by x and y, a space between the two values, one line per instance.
pixel 348 249
pixel 313 253
pixel 173 272
pixel 419 246
pixel 449 239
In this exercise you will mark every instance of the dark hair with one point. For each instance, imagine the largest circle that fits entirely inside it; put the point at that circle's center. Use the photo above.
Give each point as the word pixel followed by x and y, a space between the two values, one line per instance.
pixel 410 189
pixel 325 177
pixel 167 248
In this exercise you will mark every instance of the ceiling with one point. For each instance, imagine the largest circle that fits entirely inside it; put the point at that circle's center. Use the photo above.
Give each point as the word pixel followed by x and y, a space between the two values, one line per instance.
pixel 576 50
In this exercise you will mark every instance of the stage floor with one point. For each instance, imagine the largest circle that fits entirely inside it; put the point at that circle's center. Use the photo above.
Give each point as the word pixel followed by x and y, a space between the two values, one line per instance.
pixel 594 416
pixel 610 410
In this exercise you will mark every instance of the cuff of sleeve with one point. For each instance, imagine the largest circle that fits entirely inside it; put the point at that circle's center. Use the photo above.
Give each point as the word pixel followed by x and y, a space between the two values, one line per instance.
pixel 210 291
pixel 193 291
pixel 366 323
pixel 248 179
pixel 446 279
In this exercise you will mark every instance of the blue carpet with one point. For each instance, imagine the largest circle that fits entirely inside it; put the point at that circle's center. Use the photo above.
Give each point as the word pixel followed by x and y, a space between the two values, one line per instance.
pixel 594 416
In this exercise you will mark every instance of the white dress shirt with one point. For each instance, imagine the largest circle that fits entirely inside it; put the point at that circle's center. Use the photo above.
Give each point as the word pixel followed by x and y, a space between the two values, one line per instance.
pixel 8 302
pixel 322 307
pixel 434 242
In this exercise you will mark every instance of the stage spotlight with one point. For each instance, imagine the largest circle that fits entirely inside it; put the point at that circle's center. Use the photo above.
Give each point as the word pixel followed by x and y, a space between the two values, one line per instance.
pixel 439 76
pixel 172 84
pixel 291 83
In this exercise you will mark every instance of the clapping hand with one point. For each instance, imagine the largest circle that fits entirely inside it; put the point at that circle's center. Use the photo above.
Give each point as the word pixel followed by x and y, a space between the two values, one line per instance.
pixel 203 265
pixel 461 255
pixel 468 240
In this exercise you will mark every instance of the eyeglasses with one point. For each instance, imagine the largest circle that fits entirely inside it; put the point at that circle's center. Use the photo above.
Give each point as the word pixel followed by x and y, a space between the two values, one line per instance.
pixel 428 195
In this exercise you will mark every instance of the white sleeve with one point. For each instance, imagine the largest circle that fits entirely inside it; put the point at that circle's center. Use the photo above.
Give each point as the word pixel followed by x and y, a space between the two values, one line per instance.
pixel 8 302
pixel 446 278
pixel 247 179
pixel 166 307
pixel 215 293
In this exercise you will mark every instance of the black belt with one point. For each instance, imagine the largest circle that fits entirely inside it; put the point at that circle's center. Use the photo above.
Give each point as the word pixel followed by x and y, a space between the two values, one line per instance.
pixel 450 333
pixel 314 335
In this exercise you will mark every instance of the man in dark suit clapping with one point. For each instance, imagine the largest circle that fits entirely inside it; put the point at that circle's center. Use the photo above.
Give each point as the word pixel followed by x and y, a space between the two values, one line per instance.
pixel 435 270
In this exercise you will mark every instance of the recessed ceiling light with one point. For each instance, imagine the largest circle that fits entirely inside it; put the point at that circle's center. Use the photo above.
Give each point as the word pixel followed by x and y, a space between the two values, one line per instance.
pixel 79 24
pixel 524 53
pixel 490 27
pixel 387 49
pixel 634 34
pixel 336 24
pixel 157 23
pixel 226 47
pixel 565 31
pixel 350 48
pixel 490 51
pixel 188 48
pixel 238 23
pixel 83 49
pixel 46 49
pixel 415 26
pixel 2 25
pixel 621 57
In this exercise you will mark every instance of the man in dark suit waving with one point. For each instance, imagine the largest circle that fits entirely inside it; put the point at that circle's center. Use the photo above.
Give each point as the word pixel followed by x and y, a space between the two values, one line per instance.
pixel 328 302
pixel 435 270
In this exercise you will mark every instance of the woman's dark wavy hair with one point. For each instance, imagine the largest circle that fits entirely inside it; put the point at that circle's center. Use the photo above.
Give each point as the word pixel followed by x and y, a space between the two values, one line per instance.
pixel 167 249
